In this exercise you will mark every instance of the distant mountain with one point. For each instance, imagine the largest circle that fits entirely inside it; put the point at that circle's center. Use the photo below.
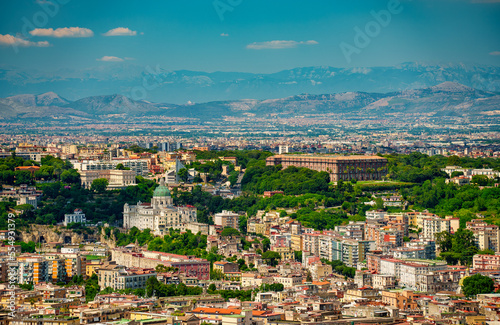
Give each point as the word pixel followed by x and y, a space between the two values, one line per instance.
pixel 46 99
pixel 444 99
pixel 156 84
pixel 113 104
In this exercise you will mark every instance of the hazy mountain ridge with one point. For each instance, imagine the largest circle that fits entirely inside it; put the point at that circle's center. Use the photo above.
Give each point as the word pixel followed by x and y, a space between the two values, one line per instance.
pixel 183 85
pixel 441 100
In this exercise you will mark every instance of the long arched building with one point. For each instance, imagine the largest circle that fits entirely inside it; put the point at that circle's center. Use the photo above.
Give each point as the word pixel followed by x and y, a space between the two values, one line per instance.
pixel 361 168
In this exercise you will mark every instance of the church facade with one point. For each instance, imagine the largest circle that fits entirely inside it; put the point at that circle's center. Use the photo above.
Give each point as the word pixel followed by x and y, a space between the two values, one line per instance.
pixel 160 215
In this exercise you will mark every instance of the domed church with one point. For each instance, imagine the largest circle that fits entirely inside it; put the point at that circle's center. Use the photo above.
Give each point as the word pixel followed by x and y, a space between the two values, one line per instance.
pixel 160 215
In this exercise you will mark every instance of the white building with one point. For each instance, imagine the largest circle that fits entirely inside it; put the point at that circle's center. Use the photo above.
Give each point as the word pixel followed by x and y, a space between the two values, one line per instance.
pixel 77 217
pixel 160 215
pixel 434 225
pixel 227 219
pixel 116 178
pixel 140 166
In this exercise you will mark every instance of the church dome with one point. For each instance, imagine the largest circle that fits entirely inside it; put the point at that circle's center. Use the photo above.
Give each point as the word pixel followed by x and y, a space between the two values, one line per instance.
pixel 161 190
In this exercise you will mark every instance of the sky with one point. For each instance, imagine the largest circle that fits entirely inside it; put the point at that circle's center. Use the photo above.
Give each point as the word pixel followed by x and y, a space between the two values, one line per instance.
pixel 259 36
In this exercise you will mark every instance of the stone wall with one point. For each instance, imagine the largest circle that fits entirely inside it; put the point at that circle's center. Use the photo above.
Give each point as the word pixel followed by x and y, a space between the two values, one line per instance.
pixel 54 234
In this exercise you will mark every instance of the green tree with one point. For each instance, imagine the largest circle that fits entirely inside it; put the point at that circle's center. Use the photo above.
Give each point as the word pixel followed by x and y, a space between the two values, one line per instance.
pixel 70 176
pixel 477 284
pixel 120 166
pixel 271 257
pixel 183 174
pixel 92 287
pixel 456 174
pixel 228 231
pixel 212 288
pixel 99 185
pixel 481 180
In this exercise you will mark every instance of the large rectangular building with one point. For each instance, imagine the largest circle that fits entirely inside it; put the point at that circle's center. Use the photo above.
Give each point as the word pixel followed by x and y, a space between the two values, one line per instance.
pixel 360 168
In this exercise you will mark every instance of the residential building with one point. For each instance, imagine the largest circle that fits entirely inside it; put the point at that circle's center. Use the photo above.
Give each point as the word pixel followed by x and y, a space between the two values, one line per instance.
pixel 434 225
pixel 227 219
pixel 403 300
pixel 119 277
pixel 486 262
pixel 486 236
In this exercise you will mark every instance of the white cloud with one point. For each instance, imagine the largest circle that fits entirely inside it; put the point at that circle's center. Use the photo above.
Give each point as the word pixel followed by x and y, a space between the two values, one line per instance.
pixel 63 32
pixel 9 40
pixel 495 53
pixel 277 45
pixel 111 59
pixel 224 35
pixel 120 31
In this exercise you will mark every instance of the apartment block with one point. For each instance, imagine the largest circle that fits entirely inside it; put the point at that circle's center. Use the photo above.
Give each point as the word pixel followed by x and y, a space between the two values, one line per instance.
pixel 119 277
pixel 354 251
pixel 485 236
pixel 434 225
pixel 227 219
pixel 486 262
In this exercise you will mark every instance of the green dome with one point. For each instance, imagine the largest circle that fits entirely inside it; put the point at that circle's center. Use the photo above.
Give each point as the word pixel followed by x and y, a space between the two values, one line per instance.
pixel 161 190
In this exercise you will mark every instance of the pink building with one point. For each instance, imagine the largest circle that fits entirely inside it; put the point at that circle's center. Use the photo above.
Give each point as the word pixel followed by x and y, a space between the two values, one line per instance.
pixel 486 262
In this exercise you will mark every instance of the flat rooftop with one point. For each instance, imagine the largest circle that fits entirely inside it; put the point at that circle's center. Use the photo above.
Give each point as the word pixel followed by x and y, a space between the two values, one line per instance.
pixel 328 157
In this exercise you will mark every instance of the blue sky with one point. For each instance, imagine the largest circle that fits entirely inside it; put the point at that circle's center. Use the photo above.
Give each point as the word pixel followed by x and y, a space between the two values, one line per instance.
pixel 246 35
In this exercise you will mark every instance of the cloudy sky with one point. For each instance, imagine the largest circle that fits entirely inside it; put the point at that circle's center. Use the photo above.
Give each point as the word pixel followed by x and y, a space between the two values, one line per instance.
pixel 247 35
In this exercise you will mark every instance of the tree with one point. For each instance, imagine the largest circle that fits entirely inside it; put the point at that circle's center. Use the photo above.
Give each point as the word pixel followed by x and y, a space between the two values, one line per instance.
pixel 477 284
pixel 160 268
pixel 456 174
pixel 228 231
pixel 183 174
pixel 92 287
pixel 212 288
pixel 298 256
pixel 271 257
pixel 120 166
pixel 266 244
pixel 70 176
pixel 481 180
pixel 486 252
pixel 457 247
pixel 309 277
pixel 99 185
pixel 379 203
pixel 23 177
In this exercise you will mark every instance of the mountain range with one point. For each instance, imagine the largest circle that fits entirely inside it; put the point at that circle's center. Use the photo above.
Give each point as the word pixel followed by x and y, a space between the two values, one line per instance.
pixel 444 99
pixel 156 84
